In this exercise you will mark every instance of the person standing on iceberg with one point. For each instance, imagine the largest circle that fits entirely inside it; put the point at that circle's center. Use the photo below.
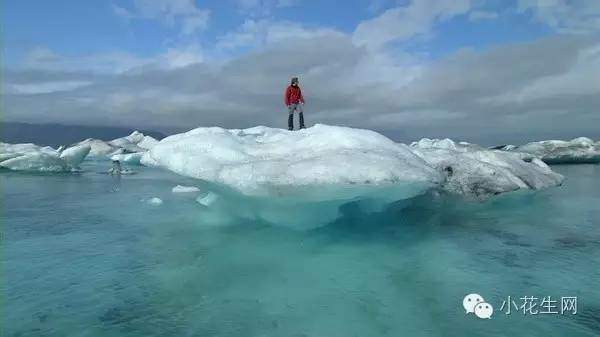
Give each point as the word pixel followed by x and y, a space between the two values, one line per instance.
pixel 294 102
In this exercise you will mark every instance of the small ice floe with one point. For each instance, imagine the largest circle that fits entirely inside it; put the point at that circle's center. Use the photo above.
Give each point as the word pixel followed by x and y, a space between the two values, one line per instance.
pixel 128 158
pixel 155 201
pixel 185 189
pixel 207 199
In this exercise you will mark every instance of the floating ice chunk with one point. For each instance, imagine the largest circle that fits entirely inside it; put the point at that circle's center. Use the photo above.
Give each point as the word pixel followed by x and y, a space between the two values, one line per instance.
pixel 446 144
pixel 437 143
pixel 128 158
pixel 578 150
pixel 126 145
pixel 295 178
pixel 342 163
pixel 132 145
pixel 24 148
pixel 141 140
pixel 507 147
pixel 477 172
pixel 135 137
pixel 155 201
pixel 36 161
pixel 99 148
pixel 5 156
pixel 135 142
pixel 147 143
pixel 73 156
pixel 30 157
pixel 185 189
pixel 208 199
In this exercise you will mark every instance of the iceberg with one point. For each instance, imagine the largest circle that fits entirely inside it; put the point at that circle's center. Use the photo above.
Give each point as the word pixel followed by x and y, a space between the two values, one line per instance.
pixel 264 161
pixel 305 176
pixel 128 158
pixel 125 145
pixel 99 148
pixel 576 151
pixel 185 189
pixel 128 149
pixel 135 142
pixel 299 178
pixel 147 143
pixel 31 157
pixel 476 172
pixel 75 155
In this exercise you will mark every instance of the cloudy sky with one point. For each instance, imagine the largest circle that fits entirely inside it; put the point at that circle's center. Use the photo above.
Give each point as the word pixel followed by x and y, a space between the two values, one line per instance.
pixel 496 71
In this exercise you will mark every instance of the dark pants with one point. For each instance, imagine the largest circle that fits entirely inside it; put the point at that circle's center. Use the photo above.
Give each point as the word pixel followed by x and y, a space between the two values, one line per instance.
pixel 291 109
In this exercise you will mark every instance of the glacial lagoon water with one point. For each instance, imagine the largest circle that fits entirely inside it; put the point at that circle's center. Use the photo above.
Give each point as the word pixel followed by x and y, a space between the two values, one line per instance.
pixel 86 255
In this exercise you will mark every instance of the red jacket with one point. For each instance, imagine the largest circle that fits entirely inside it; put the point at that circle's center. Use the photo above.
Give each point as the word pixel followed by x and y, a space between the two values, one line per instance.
pixel 293 95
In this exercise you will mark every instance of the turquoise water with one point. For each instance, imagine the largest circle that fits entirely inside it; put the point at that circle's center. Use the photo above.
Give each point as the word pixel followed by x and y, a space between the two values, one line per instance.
pixel 85 255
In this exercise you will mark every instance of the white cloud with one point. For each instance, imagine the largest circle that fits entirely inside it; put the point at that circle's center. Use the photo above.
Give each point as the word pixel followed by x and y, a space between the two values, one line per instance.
pixel 110 62
pixel 482 15
pixel 581 78
pixel 401 23
pixel 122 12
pixel 263 8
pixel 181 57
pixel 565 16
pixel 42 58
pixel 183 14
pixel 260 33
pixel 467 93
pixel 43 87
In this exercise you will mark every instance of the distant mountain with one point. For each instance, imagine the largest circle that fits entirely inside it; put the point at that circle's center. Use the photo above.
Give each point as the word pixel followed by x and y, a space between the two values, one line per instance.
pixel 59 134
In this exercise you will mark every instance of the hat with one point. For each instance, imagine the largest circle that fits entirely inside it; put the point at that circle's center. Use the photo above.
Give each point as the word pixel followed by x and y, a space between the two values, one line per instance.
pixel 295 80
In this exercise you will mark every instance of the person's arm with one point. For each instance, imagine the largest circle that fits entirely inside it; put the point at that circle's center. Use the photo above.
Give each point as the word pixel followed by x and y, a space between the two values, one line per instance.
pixel 301 97
pixel 287 96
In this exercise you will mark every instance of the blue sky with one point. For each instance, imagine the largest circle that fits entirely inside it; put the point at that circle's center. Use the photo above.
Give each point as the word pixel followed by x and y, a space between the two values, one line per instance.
pixel 81 28
pixel 430 66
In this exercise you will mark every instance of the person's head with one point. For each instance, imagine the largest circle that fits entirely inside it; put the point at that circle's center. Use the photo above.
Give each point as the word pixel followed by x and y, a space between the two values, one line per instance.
pixel 295 81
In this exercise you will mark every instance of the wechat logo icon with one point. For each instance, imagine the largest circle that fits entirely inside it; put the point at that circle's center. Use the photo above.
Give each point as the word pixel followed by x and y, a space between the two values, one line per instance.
pixel 475 304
